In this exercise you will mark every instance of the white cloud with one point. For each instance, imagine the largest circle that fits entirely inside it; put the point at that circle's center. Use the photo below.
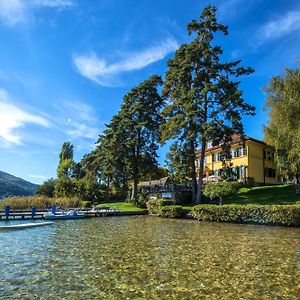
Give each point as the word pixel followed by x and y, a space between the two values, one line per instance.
pixel 53 3
pixel 79 130
pixel 104 73
pixel 281 26
pixel 77 120
pixel 13 118
pixel 38 177
pixel 14 12
pixel 232 8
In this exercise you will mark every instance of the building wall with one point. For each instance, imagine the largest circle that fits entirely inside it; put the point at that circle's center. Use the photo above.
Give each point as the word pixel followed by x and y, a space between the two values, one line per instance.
pixel 252 161
pixel 257 163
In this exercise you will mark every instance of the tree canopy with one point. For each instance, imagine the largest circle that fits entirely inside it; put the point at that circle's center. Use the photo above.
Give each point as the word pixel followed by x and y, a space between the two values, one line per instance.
pixel 283 128
pixel 205 102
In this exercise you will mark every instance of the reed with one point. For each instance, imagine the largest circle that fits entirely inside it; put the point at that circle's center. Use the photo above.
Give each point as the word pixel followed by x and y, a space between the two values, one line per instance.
pixel 39 202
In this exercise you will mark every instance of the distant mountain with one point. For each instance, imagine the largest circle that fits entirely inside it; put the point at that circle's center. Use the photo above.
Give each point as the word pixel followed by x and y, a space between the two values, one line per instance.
pixel 14 186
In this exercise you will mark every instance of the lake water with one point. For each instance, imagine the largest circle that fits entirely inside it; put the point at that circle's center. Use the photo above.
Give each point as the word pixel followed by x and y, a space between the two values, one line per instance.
pixel 142 257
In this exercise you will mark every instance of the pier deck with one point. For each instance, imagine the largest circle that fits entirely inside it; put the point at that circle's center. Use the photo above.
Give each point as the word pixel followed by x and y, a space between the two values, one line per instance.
pixel 39 214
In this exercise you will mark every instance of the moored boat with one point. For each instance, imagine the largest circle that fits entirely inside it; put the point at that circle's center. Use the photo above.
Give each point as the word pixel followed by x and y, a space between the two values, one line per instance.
pixel 72 214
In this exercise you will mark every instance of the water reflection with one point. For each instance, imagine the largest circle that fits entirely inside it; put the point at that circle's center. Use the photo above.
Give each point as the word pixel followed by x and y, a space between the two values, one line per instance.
pixel 150 258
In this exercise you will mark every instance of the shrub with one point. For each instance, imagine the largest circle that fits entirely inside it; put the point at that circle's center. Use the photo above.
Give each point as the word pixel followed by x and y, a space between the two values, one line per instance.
pixel 141 200
pixel 220 190
pixel 165 208
pixel 172 211
pixel 288 215
pixel 154 205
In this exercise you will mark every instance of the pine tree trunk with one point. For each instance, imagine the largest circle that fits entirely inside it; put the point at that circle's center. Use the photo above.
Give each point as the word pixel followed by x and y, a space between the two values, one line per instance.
pixel 201 171
pixel 203 150
pixel 136 168
pixel 134 189
pixel 193 173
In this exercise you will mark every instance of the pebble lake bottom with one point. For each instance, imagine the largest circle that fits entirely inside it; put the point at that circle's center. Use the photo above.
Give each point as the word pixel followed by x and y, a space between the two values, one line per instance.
pixel 143 257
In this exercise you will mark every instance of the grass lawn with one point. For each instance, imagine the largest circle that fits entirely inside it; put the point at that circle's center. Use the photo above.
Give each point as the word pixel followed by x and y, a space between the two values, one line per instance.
pixel 276 194
pixel 122 206
pixel 279 194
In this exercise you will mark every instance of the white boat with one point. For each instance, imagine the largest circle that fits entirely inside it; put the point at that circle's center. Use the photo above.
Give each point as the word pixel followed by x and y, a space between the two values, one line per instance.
pixel 71 214
pixel 24 226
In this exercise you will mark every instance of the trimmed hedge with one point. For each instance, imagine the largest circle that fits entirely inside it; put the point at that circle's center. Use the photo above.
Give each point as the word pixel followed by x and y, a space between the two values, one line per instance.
pixel 165 208
pixel 288 215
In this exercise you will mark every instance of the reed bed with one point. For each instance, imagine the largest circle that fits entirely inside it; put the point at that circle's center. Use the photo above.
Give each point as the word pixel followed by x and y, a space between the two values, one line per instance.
pixel 38 202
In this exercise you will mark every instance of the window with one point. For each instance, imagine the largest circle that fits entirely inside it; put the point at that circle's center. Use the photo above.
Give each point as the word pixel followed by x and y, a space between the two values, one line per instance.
pixel 213 157
pixel 242 171
pixel 244 151
pixel 264 154
pixel 269 172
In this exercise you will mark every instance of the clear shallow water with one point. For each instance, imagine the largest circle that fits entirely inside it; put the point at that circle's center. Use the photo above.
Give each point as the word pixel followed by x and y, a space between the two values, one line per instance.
pixel 150 258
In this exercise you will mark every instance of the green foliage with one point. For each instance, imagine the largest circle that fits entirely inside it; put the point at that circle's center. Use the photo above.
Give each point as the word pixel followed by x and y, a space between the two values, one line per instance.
pixel 88 190
pixel 220 190
pixel 205 103
pixel 141 200
pixel 165 208
pixel 249 182
pixel 288 215
pixel 66 151
pixel 64 169
pixel 172 211
pixel 47 188
pixel 65 188
pixel 282 130
pixel 180 162
pixel 126 151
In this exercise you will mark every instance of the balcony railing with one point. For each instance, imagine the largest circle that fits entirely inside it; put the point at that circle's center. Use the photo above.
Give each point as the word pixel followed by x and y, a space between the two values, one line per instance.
pixel 168 188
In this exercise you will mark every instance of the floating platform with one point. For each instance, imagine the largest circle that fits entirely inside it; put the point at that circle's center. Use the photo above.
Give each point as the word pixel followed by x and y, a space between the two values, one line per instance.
pixel 24 226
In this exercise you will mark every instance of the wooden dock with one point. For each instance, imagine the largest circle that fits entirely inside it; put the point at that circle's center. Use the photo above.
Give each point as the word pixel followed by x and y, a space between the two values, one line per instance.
pixel 17 214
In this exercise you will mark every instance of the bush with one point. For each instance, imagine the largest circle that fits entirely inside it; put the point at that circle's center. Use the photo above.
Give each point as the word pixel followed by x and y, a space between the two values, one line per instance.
pixel 141 201
pixel 165 208
pixel 220 190
pixel 172 211
pixel 288 215
pixel 47 188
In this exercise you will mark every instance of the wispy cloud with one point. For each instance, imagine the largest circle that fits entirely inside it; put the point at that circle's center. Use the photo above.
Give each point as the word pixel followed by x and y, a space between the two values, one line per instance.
pixel 77 120
pixel 232 8
pixel 104 73
pixel 37 177
pixel 53 3
pixel 14 12
pixel 282 25
pixel 12 118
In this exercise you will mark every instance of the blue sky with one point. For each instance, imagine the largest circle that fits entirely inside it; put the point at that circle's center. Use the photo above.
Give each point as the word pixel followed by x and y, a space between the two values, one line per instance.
pixel 65 65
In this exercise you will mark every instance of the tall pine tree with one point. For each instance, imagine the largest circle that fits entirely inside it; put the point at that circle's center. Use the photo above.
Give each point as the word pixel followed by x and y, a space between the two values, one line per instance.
pixel 205 103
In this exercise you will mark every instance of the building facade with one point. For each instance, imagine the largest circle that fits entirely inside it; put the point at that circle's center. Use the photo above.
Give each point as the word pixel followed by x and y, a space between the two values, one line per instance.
pixel 250 158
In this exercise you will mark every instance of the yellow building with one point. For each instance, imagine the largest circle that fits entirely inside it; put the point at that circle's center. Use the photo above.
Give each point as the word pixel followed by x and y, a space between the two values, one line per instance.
pixel 250 158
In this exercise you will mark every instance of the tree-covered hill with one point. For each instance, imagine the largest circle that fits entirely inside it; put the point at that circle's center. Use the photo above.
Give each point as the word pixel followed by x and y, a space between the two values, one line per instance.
pixel 15 186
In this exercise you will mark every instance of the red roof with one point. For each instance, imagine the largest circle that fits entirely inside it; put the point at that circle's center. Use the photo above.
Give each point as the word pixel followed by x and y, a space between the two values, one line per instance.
pixel 236 139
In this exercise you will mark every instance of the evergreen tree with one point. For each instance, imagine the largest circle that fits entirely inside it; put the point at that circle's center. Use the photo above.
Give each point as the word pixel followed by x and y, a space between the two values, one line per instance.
pixel 140 120
pixel 179 163
pixel 205 103
pixel 126 151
